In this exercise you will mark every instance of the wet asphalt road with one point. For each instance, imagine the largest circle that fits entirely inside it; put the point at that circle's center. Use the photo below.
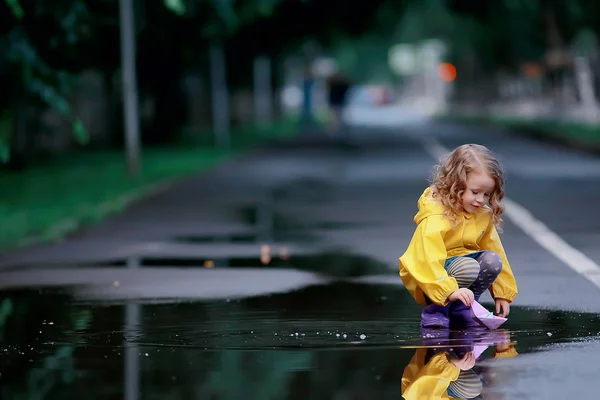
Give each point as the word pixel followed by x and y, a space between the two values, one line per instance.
pixel 275 276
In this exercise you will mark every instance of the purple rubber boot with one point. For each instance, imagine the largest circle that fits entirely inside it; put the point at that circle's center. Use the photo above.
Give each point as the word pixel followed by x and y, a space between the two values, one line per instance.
pixel 434 316
pixel 460 316
pixel 435 339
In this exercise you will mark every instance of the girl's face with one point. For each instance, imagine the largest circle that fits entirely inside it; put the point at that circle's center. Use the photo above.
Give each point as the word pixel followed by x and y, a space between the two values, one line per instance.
pixel 478 190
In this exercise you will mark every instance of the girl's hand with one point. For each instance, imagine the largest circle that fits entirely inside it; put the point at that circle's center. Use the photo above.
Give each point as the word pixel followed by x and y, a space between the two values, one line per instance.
pixel 500 347
pixel 503 305
pixel 465 363
pixel 465 295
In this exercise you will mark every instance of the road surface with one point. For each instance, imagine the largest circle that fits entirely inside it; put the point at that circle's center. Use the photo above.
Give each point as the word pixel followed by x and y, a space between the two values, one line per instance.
pixel 275 276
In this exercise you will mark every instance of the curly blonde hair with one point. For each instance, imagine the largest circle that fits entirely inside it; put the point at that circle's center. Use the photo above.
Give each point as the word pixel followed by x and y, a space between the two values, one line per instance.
pixel 450 179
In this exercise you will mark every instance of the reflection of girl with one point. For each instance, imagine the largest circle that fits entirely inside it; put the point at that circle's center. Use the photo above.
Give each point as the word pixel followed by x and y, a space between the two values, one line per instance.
pixel 444 373
pixel 428 377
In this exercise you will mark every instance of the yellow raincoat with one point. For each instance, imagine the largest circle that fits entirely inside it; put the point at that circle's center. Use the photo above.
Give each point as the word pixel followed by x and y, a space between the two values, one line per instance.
pixel 436 239
pixel 428 381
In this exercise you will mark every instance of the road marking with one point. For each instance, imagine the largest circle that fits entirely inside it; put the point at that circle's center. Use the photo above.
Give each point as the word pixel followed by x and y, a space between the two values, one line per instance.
pixel 536 229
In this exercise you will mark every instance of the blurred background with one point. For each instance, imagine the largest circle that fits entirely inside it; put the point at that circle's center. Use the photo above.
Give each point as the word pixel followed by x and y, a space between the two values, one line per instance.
pixel 203 68
pixel 105 102
pixel 110 78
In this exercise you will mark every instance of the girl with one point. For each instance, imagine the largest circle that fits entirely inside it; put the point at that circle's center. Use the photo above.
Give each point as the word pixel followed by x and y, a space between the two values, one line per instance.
pixel 455 253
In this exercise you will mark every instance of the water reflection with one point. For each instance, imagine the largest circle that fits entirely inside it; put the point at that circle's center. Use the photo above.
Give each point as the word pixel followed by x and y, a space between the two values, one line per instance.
pixel 444 367
pixel 340 341
pixel 131 348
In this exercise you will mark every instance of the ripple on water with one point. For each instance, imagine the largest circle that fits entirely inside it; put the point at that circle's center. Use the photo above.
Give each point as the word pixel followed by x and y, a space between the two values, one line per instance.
pixel 368 331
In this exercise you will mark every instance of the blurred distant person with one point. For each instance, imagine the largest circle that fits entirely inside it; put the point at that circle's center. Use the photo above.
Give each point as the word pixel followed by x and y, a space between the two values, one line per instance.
pixel 338 87
pixel 308 83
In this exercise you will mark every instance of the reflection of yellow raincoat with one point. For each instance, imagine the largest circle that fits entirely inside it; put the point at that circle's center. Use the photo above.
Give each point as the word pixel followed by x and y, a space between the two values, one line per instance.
pixel 428 381
pixel 431 380
pixel 510 352
pixel 436 239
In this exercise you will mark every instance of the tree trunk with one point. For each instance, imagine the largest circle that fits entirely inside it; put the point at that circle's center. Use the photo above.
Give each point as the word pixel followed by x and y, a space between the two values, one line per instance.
pixel 129 81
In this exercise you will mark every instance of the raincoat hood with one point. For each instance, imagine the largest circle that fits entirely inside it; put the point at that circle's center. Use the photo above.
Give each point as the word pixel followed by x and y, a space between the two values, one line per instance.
pixel 428 206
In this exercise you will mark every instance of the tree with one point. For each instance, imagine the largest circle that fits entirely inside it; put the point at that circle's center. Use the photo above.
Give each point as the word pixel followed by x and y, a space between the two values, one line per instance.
pixel 172 38
pixel 30 73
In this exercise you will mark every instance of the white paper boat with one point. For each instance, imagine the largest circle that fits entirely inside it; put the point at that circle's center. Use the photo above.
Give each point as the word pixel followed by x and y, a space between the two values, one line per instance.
pixel 485 317
pixel 478 349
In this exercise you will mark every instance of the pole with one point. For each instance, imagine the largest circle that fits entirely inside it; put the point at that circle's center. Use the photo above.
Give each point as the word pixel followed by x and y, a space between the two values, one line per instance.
pixel 129 87
pixel 220 95
pixel 262 90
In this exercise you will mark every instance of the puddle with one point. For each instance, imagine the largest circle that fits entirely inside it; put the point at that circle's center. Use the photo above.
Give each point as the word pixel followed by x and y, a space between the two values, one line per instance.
pixel 282 230
pixel 274 228
pixel 304 189
pixel 279 236
pixel 256 214
pixel 271 223
pixel 234 238
pixel 16 268
pixel 328 264
pixel 319 342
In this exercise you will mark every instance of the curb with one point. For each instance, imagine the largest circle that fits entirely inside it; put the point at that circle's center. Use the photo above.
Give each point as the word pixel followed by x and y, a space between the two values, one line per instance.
pixel 108 208
pixel 116 205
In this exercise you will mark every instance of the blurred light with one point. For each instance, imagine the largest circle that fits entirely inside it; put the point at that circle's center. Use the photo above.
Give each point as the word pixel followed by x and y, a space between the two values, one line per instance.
pixel 291 96
pixel 284 253
pixel 532 70
pixel 116 283
pixel 447 72
pixel 402 59
pixel 325 66
pixel 209 264
pixel 265 254
pixel 431 52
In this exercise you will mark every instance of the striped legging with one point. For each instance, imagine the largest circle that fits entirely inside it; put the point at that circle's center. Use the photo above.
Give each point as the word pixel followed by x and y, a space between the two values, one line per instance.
pixel 476 271
pixel 467 386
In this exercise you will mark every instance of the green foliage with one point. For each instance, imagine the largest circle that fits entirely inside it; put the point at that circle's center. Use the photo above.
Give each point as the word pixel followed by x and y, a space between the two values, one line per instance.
pixel 5 311
pixel 257 384
pixel 5 132
pixel 226 13
pixel 87 187
pixel 27 72
pixel 474 32
pixel 48 367
pixel 503 32
pixel 176 6
pixel 15 8
pixel 56 368
pixel 586 42
pixel 508 32
pixel 229 16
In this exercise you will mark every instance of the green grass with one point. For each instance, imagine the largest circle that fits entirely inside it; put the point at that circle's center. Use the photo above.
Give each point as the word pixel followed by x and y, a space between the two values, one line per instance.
pixel 583 135
pixel 50 200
